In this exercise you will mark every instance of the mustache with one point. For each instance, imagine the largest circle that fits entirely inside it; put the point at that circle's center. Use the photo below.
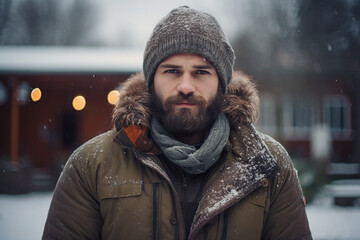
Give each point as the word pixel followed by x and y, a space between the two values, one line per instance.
pixel 198 100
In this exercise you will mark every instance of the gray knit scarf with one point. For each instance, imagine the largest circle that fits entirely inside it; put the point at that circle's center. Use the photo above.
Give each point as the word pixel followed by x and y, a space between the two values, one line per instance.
pixel 192 160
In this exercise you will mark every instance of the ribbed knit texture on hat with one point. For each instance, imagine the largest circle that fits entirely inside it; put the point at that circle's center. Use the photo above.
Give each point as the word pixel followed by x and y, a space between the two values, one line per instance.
pixel 186 30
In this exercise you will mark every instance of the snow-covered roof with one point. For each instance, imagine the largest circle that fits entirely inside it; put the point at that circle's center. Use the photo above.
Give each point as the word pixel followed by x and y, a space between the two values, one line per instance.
pixel 69 60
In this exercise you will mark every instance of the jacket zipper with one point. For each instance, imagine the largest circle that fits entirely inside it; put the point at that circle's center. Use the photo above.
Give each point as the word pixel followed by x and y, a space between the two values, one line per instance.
pixel 184 215
pixel 185 187
pixel 225 225
pixel 156 211
pixel 178 210
pixel 180 216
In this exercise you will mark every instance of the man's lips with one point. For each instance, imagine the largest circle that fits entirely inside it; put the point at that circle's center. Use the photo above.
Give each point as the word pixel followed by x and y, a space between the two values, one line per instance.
pixel 185 103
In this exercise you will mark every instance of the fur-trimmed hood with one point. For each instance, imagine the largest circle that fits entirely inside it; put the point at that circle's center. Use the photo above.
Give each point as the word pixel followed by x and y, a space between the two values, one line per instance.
pixel 133 108
pixel 248 159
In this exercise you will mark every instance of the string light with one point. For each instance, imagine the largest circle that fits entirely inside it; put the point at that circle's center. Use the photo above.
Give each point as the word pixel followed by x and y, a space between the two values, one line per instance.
pixel 79 103
pixel 113 97
pixel 36 94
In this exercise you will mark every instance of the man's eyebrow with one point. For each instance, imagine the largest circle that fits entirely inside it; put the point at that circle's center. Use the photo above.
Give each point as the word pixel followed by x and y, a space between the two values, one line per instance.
pixel 166 65
pixel 207 66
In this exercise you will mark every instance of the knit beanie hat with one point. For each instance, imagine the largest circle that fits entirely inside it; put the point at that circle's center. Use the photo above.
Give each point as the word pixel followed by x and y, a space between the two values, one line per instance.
pixel 186 30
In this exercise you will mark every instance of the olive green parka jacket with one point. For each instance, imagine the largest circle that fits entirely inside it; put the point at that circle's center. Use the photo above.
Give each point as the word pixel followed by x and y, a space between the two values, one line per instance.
pixel 115 187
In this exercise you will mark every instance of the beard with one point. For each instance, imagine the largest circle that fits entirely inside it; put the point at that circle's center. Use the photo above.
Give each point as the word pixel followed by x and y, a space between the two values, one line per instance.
pixel 186 121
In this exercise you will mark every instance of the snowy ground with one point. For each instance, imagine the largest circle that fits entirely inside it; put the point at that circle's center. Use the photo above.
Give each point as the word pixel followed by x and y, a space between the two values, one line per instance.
pixel 23 217
pixel 333 222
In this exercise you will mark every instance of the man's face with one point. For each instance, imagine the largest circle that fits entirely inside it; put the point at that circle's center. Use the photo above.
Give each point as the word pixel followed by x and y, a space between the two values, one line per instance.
pixel 185 97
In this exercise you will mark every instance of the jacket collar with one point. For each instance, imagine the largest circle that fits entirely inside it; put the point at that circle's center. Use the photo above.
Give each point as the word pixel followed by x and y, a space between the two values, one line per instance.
pixel 248 164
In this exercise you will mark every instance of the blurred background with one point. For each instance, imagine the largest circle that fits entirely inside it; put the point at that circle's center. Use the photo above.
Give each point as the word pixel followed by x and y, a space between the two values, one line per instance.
pixel 62 64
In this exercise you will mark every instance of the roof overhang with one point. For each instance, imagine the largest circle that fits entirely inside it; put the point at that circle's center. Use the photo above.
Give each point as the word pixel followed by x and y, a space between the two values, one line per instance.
pixel 35 60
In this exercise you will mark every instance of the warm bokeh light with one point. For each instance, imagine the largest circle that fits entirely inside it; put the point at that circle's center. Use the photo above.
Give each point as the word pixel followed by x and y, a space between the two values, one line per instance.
pixel 113 97
pixel 36 94
pixel 79 103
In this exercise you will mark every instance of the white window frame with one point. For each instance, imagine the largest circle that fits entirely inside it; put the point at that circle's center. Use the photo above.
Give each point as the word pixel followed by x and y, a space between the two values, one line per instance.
pixel 293 110
pixel 338 101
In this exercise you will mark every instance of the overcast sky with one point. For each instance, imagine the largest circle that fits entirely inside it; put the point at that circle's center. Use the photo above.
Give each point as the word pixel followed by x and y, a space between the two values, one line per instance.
pixel 137 18
pixel 129 24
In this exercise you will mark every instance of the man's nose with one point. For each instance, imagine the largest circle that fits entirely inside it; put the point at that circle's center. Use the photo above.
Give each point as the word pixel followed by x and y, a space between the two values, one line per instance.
pixel 186 84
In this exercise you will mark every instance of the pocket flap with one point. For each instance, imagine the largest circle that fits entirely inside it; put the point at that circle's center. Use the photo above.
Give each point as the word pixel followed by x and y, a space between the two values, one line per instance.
pixel 123 190
pixel 257 198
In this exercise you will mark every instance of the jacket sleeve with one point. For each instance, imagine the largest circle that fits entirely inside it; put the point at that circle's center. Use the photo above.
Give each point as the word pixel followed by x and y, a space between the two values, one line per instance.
pixel 74 211
pixel 286 218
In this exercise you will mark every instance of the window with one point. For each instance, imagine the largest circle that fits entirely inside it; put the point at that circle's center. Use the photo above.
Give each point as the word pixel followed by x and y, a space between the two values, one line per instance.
pixel 298 117
pixel 337 114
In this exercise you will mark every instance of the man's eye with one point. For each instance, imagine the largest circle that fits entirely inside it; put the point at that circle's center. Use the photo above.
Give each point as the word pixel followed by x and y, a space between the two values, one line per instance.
pixel 202 72
pixel 171 71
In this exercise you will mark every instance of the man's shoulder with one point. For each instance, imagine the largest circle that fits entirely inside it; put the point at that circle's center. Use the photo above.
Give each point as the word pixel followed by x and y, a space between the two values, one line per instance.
pixel 96 145
pixel 277 150
pixel 271 143
pixel 100 139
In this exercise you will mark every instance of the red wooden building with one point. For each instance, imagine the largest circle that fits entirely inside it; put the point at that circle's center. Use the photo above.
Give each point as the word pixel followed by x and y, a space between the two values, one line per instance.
pixel 40 134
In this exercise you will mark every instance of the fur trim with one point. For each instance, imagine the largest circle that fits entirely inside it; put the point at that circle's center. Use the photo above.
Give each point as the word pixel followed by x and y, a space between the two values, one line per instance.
pixel 241 102
pixel 133 106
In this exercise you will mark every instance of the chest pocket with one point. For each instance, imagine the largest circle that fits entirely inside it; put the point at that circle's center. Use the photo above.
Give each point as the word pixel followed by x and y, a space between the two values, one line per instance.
pixel 115 200
pixel 126 210
pixel 257 198
pixel 123 190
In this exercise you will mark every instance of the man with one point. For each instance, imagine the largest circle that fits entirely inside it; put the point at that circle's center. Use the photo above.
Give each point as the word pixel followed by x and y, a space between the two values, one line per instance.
pixel 184 161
